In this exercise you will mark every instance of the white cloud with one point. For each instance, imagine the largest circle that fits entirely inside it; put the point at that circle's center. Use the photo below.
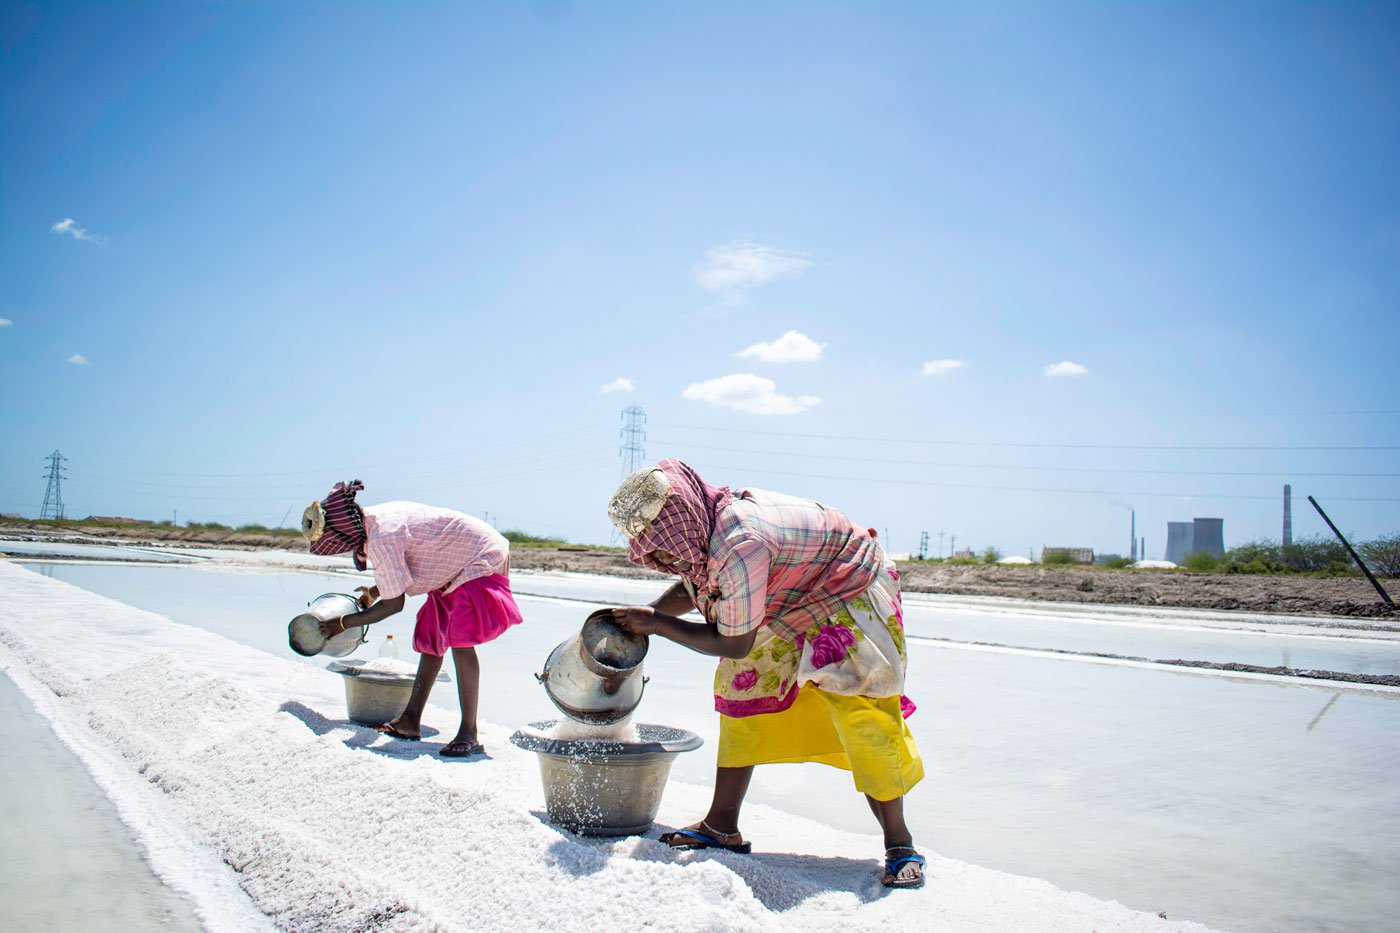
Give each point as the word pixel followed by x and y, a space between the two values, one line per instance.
pixel 792 347
pixel 740 265
pixel 77 359
pixel 941 367
pixel 748 393
pixel 1066 368
pixel 620 384
pixel 71 227
pixel 5 322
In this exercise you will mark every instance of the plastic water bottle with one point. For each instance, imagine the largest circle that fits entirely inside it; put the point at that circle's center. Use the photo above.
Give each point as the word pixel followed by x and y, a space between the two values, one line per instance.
pixel 389 649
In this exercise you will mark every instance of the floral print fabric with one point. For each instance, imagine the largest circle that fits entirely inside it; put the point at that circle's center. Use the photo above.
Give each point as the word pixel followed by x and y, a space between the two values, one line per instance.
pixel 858 651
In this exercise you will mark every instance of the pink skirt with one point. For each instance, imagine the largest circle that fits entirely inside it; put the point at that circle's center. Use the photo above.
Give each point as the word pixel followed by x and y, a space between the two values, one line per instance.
pixel 474 613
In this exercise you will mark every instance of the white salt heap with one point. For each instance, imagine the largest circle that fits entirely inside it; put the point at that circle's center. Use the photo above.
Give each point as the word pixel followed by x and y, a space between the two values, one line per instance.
pixel 251 793
pixel 389 666
pixel 571 731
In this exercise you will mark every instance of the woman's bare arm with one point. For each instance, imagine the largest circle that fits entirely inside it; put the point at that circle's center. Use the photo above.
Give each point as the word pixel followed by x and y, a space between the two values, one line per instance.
pixel 703 637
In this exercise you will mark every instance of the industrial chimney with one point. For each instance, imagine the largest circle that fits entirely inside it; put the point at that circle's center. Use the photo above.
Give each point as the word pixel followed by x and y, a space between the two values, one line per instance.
pixel 1287 515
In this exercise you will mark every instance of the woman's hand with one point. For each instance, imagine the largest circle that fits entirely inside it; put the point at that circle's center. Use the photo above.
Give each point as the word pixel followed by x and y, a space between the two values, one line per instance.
pixel 332 627
pixel 637 620
pixel 369 595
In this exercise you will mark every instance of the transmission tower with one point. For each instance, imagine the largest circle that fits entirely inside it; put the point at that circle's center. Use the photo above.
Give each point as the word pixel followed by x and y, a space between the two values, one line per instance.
pixel 634 437
pixel 53 495
pixel 923 545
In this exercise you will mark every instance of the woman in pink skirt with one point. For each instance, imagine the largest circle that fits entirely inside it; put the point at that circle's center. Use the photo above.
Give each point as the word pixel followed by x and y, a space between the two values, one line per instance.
pixel 460 562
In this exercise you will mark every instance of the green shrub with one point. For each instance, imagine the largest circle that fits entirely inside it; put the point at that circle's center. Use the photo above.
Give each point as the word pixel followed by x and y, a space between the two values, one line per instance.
pixel 528 540
pixel 1313 555
pixel 1382 555
pixel 1202 562
pixel 1057 557
pixel 991 555
pixel 207 526
pixel 1117 562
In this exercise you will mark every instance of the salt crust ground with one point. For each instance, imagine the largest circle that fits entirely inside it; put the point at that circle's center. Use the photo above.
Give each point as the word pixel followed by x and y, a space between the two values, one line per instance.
pixel 251 792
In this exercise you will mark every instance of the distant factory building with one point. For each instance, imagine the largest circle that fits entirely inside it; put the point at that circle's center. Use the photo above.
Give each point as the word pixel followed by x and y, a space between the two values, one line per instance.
pixel 1078 555
pixel 1202 535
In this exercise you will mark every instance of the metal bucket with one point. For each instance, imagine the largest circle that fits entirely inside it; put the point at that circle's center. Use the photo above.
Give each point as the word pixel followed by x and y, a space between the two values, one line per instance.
pixel 304 632
pixel 595 676
pixel 374 697
pixel 600 788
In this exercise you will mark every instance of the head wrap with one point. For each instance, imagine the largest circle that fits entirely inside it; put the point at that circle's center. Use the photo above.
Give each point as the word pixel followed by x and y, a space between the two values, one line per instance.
pixel 336 524
pixel 679 524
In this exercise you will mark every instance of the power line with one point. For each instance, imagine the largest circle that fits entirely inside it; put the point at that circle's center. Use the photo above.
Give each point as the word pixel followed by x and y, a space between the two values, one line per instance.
pixel 1036 469
pixel 1029 445
pixel 1078 492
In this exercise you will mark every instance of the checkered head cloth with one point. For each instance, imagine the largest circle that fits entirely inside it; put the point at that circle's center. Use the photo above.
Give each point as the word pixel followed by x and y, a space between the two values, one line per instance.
pixel 669 508
pixel 336 525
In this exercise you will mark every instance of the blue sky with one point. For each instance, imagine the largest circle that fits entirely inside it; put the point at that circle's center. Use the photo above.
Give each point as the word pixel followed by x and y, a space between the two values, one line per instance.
pixel 840 250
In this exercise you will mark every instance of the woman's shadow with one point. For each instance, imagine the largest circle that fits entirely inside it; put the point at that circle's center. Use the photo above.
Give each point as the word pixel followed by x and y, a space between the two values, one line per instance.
pixel 363 736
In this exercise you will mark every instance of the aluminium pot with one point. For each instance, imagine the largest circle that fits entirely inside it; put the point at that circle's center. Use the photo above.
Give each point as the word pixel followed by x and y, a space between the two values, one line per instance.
pixel 598 787
pixel 595 677
pixel 304 632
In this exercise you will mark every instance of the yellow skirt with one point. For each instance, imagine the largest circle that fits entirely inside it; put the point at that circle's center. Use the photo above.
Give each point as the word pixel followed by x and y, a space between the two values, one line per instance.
pixel 863 735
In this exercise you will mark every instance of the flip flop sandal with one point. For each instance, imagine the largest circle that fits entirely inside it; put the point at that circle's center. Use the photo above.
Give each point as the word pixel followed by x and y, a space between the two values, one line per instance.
pixel 393 733
pixel 687 840
pixel 893 866
pixel 462 750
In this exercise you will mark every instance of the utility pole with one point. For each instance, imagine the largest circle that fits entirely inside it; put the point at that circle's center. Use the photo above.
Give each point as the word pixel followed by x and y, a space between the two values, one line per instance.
pixel 53 495
pixel 923 545
pixel 953 546
pixel 940 545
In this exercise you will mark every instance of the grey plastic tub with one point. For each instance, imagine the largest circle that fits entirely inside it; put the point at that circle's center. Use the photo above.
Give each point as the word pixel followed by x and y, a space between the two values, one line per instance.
pixel 603 788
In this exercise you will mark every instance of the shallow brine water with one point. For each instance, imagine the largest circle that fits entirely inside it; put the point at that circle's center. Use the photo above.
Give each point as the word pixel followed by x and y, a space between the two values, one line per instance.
pixel 1244 804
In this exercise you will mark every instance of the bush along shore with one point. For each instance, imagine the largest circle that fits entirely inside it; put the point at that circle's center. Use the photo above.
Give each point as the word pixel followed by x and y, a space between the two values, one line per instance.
pixel 1256 577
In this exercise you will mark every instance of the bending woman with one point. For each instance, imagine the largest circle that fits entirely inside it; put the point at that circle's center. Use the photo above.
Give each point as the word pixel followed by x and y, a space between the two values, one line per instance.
pixel 461 563
pixel 803 610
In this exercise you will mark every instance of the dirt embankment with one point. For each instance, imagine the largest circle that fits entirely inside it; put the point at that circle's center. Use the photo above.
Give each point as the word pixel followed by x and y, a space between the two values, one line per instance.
pixel 1336 596
pixel 94 534
pixel 1339 596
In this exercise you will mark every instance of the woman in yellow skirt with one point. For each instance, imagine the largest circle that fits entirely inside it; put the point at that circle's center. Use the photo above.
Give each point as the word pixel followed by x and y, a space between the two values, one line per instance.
pixel 803 610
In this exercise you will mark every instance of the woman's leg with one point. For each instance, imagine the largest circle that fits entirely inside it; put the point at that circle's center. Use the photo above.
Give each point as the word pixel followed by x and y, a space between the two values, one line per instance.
pixel 468 691
pixel 731 784
pixel 409 722
pixel 890 814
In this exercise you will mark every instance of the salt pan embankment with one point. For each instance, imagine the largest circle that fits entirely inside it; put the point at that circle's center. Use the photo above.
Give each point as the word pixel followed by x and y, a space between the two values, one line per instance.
pixel 251 793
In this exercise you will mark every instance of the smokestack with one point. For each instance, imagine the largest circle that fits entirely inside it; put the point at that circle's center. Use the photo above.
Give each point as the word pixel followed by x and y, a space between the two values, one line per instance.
pixel 1133 548
pixel 1287 515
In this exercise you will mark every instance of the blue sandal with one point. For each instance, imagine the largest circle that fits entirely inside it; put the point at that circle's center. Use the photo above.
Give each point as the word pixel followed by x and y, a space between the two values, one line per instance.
pixel 686 840
pixel 894 865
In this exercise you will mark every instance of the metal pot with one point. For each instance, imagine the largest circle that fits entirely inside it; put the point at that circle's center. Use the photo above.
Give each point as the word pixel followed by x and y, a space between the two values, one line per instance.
pixel 595 677
pixel 304 632
pixel 596 787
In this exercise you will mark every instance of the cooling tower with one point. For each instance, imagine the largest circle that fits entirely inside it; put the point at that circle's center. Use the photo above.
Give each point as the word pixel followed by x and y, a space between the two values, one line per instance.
pixel 1179 538
pixel 1208 536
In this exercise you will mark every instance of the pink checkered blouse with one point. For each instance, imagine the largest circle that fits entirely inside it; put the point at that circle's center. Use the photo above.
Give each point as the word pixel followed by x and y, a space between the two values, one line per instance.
pixel 415 549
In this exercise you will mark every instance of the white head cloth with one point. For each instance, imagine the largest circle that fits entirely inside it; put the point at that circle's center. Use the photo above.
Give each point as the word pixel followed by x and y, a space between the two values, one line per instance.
pixel 638 501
